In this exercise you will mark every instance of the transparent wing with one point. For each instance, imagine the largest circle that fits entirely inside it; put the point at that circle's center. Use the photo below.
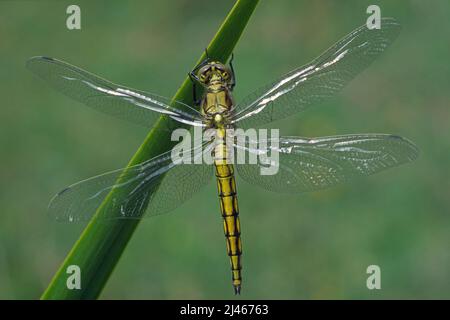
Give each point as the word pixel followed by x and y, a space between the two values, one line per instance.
pixel 137 106
pixel 313 164
pixel 133 189
pixel 318 80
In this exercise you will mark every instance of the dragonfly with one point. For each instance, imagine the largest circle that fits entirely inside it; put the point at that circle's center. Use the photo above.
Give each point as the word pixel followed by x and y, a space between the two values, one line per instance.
pixel 160 184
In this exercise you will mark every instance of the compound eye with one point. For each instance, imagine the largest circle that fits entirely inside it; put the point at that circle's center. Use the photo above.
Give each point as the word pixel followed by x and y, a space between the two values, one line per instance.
pixel 204 70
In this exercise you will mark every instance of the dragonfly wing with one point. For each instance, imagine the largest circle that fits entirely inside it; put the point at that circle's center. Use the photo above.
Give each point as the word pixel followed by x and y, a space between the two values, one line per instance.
pixel 136 106
pixel 318 80
pixel 313 164
pixel 155 186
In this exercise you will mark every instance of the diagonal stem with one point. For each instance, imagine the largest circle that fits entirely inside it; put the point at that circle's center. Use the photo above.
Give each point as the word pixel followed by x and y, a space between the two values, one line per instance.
pixel 101 244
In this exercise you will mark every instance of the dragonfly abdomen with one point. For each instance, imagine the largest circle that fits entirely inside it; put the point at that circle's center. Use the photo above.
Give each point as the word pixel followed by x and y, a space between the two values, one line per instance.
pixel 226 186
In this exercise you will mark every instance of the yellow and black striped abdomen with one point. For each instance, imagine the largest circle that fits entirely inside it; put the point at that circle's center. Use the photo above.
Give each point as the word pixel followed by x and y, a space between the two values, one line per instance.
pixel 226 185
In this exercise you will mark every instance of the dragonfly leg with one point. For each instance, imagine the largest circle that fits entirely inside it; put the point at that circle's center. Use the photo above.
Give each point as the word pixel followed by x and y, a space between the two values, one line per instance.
pixel 233 77
pixel 194 80
pixel 194 91
pixel 201 64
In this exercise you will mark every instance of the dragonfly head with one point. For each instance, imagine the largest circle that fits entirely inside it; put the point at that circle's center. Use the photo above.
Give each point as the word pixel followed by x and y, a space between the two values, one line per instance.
pixel 215 73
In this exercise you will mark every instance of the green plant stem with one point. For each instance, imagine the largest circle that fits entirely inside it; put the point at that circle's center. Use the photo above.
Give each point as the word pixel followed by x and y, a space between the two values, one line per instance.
pixel 101 244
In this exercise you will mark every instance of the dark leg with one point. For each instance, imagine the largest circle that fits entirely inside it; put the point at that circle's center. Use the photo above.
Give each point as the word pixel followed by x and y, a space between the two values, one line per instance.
pixel 193 78
pixel 202 63
pixel 233 79
pixel 231 61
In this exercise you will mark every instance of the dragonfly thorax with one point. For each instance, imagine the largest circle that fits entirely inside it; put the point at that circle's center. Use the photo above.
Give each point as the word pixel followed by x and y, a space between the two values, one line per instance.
pixel 217 108
pixel 217 102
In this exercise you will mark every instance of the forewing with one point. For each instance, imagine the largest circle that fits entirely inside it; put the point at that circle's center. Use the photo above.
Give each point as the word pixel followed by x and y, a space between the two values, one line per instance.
pixel 313 164
pixel 136 106
pixel 318 80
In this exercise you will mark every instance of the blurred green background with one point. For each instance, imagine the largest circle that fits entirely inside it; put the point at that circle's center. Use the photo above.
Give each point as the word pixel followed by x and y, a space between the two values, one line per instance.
pixel 308 246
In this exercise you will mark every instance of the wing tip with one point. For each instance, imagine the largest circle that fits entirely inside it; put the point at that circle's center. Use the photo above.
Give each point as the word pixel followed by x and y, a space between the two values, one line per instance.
pixel 29 63
pixel 389 27
pixel 413 150
pixel 58 213
pixel 41 58
pixel 63 191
